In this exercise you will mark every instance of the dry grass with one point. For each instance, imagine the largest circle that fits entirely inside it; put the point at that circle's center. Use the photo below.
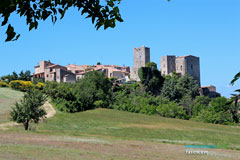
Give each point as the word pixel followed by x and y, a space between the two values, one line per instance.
pixel 34 146
pixel 8 97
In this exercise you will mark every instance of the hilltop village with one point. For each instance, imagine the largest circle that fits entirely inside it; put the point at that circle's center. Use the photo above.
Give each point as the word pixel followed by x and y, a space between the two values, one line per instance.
pixel 169 64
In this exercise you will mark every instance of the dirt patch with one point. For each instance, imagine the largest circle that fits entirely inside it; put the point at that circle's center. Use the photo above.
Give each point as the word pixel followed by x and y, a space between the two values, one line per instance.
pixel 49 109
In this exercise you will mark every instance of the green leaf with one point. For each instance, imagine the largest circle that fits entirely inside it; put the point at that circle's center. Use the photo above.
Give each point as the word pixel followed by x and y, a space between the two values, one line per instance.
pixel 236 77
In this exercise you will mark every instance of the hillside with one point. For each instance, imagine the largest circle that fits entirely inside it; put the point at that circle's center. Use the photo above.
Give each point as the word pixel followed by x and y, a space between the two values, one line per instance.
pixel 112 134
pixel 8 97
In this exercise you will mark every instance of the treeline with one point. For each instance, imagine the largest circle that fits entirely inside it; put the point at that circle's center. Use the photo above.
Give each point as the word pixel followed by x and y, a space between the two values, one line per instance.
pixel 24 76
pixel 21 81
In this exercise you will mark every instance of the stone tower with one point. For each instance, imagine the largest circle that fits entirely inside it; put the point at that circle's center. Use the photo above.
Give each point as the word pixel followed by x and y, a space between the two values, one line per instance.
pixel 181 65
pixel 189 64
pixel 168 64
pixel 141 57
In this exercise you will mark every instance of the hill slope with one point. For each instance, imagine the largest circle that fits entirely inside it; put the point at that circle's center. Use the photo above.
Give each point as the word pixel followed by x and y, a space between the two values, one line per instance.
pixel 8 97
pixel 106 134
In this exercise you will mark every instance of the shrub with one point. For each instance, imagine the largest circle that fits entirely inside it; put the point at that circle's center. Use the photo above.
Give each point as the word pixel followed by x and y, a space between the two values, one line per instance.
pixel 21 85
pixel 209 116
pixel 3 84
pixel 172 110
pixel 99 104
pixel 39 86
pixel 218 112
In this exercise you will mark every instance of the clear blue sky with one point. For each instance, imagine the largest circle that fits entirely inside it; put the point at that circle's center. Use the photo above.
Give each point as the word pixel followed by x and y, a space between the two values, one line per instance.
pixel 209 29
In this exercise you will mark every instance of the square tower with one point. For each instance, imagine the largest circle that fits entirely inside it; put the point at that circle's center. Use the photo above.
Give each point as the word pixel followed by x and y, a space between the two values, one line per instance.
pixel 141 58
pixel 189 64
pixel 168 64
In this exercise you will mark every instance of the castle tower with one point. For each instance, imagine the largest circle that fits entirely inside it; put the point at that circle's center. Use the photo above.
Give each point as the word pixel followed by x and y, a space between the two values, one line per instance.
pixel 168 64
pixel 141 57
pixel 189 64
pixel 181 65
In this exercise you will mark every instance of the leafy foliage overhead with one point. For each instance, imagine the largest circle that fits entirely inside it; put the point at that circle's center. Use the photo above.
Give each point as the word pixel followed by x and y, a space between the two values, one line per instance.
pixel 102 13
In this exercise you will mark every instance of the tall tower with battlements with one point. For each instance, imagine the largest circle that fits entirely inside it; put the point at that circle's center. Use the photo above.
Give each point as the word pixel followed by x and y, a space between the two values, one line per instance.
pixel 141 58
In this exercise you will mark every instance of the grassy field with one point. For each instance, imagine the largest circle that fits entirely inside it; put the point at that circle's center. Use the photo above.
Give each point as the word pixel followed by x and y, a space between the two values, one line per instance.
pixel 106 134
pixel 8 98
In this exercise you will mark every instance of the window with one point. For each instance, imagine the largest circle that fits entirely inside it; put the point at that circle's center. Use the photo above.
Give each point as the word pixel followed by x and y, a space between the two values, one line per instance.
pixel 191 66
pixel 181 68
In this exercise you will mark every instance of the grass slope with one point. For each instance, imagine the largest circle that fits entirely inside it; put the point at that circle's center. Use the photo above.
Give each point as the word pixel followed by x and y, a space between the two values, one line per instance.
pixel 8 97
pixel 131 126
pixel 106 134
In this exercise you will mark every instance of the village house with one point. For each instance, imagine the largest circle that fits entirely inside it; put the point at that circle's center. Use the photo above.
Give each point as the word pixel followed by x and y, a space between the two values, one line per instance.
pixel 111 71
pixel 53 72
pixel 71 73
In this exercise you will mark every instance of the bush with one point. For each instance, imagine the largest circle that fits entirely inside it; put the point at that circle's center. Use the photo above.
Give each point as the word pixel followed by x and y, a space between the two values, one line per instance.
pixel 3 84
pixel 94 90
pixel 218 112
pixel 39 86
pixel 209 116
pixel 21 85
pixel 99 104
pixel 172 110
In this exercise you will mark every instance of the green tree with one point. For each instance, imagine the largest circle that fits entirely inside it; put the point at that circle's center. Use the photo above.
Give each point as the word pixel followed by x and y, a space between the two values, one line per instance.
pixel 187 86
pixel 172 110
pixel 101 14
pixel 170 89
pixel 218 112
pixel 175 88
pixel 25 76
pixel 200 103
pixel 93 87
pixel 151 78
pixel 29 109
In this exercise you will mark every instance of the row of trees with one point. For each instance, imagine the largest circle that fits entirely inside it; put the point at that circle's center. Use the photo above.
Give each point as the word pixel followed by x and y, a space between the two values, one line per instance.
pixel 24 76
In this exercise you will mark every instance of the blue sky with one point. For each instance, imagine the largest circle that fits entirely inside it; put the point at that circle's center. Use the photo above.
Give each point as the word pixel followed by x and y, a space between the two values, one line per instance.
pixel 209 29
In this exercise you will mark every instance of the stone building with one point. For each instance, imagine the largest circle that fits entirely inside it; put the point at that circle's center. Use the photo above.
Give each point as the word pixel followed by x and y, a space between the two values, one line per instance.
pixel 209 91
pixel 111 71
pixel 40 69
pixel 53 72
pixel 141 57
pixel 181 65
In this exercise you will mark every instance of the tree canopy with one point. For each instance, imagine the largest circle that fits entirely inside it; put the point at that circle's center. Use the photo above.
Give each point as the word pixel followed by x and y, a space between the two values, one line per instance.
pixel 104 14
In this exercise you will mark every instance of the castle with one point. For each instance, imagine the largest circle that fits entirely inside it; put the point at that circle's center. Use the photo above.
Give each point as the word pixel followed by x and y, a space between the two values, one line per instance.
pixel 169 64
pixel 181 65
